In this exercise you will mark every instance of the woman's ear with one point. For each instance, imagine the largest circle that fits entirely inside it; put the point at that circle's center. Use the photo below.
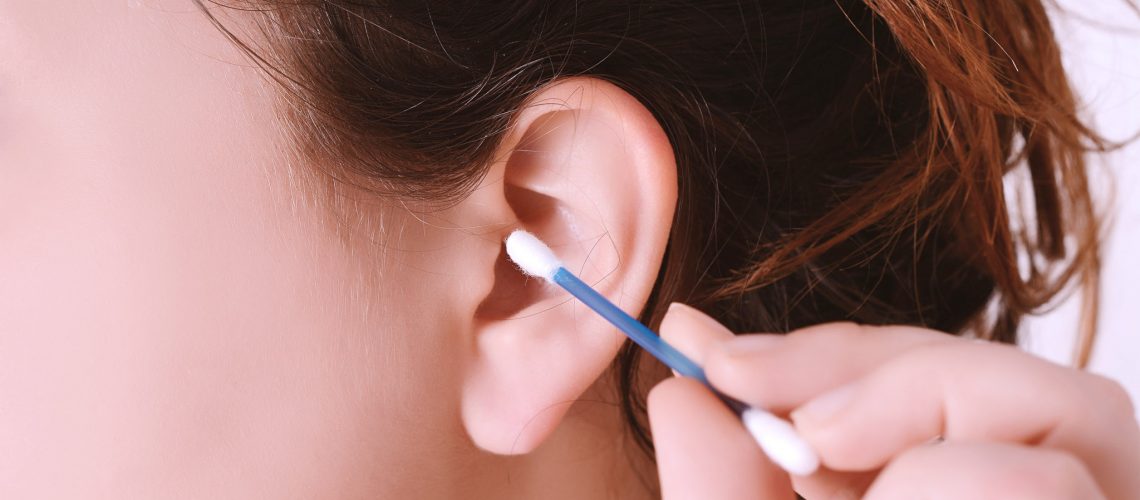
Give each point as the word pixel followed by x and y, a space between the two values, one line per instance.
pixel 588 169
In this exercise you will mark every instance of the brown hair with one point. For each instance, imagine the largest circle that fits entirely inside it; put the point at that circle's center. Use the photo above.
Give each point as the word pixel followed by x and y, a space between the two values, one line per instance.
pixel 837 159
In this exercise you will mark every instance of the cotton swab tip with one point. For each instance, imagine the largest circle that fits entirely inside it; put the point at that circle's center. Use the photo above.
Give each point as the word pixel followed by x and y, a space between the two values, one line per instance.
pixel 780 442
pixel 532 255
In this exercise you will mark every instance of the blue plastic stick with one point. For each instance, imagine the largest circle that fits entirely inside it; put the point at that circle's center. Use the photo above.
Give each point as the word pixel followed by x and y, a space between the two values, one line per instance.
pixel 639 333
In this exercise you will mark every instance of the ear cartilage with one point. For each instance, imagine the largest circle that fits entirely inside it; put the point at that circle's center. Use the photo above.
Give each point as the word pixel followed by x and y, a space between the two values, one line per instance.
pixel 776 437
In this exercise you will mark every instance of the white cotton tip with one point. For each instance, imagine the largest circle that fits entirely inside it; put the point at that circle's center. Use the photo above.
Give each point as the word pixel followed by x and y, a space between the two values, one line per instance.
pixel 781 442
pixel 532 255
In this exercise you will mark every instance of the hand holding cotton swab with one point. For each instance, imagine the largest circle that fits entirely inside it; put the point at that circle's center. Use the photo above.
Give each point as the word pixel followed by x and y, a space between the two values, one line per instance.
pixel 776 437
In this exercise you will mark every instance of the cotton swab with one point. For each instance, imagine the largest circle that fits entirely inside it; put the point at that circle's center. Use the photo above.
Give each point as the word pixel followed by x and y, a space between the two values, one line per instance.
pixel 776 437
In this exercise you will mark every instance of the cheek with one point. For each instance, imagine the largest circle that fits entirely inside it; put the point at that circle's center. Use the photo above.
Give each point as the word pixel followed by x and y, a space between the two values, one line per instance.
pixel 166 304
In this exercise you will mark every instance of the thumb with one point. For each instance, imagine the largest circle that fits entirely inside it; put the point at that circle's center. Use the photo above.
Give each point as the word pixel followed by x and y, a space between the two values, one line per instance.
pixel 704 452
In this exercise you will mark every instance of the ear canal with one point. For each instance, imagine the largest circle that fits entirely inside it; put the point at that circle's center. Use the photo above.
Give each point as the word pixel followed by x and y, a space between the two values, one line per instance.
pixel 533 208
pixel 512 292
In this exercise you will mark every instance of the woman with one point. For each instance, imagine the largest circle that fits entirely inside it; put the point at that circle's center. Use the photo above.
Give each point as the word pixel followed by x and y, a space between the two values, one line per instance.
pixel 254 249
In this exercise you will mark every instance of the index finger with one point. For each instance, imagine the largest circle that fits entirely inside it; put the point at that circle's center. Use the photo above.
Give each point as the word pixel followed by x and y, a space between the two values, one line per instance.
pixel 782 372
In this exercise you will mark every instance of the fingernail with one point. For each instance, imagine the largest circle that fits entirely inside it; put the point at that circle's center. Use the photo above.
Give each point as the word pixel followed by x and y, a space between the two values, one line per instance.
pixel 825 407
pixel 679 312
pixel 753 343
pixel 691 331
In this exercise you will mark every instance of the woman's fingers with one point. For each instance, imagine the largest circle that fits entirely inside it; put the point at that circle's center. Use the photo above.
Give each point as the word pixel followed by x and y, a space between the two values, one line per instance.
pixel 695 334
pixel 972 391
pixel 692 332
pixel 703 451
pixel 984 471
pixel 781 372
pixel 868 396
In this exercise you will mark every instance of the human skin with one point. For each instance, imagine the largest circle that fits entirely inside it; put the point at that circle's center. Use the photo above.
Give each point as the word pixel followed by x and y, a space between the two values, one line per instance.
pixel 187 310
pixel 183 313
pixel 1011 425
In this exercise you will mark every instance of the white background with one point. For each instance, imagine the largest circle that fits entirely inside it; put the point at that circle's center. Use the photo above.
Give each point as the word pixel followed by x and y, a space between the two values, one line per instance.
pixel 1101 44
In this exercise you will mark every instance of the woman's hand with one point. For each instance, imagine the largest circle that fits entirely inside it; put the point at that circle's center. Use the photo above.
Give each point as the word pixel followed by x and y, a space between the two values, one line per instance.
pixel 894 412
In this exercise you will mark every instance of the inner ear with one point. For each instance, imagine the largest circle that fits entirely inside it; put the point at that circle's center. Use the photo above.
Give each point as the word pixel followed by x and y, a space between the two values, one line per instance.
pixel 533 173
pixel 513 292
pixel 532 208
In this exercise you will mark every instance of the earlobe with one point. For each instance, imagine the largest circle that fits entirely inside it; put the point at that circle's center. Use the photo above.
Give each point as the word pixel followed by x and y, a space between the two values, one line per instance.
pixel 589 170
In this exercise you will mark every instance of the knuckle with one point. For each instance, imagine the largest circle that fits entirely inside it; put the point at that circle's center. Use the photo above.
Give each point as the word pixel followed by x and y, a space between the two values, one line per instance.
pixel 1114 395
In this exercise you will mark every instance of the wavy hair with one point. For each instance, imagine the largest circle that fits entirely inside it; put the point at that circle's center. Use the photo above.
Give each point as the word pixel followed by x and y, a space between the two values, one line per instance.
pixel 837 159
